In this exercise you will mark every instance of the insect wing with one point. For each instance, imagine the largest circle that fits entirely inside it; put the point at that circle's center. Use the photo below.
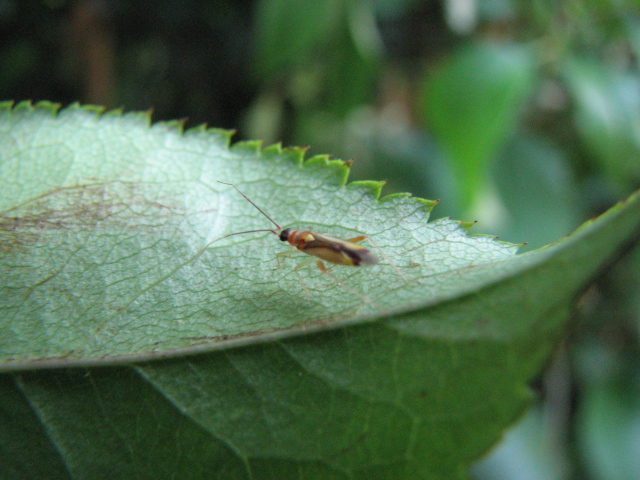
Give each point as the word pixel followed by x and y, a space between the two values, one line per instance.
pixel 340 252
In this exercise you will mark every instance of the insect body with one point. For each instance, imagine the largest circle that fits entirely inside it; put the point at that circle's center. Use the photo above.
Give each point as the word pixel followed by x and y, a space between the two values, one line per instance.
pixel 324 247
pixel 330 249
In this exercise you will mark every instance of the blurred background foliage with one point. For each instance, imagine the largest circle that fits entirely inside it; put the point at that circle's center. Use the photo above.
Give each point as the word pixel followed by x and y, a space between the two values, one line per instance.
pixel 524 116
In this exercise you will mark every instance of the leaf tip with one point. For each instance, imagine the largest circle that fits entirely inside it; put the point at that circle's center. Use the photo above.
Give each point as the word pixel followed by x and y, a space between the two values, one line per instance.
pixel 28 106
pixel 372 187
pixel 339 168
pixel 272 150
pixel 295 154
pixel 426 204
pixel 467 225
pixel 6 105
pixel 251 147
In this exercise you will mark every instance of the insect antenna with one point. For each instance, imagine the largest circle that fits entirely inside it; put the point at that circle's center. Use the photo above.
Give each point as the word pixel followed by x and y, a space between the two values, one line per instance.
pixel 240 233
pixel 257 207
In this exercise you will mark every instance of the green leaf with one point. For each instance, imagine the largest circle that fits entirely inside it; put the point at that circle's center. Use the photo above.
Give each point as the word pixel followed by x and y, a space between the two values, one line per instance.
pixel 606 115
pixel 108 227
pixel 471 103
pixel 608 418
pixel 409 369
pixel 290 30
pixel 330 50
pixel 537 188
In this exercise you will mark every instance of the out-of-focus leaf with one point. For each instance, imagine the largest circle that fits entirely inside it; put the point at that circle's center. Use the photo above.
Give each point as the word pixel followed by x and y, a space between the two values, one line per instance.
pixel 606 115
pixel 335 55
pixel 608 421
pixel 526 453
pixel 471 103
pixel 353 64
pixel 288 31
pixel 536 188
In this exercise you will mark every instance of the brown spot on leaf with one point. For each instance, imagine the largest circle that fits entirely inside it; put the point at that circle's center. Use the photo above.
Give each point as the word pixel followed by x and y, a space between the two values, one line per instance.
pixel 106 206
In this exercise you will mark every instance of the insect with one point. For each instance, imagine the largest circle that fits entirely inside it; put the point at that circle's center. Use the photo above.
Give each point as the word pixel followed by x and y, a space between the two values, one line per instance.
pixel 324 247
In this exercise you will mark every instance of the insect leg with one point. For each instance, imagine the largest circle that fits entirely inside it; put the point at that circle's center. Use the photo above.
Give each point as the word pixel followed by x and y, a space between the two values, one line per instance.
pixel 356 239
pixel 388 260
pixel 324 270
pixel 296 270
pixel 287 253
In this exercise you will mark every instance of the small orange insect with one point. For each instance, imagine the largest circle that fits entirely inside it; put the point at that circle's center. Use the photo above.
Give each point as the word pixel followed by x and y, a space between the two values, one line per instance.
pixel 324 247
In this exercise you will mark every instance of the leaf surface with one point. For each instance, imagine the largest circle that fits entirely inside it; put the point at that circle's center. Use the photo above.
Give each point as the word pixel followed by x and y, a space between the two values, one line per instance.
pixel 409 369
pixel 108 228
